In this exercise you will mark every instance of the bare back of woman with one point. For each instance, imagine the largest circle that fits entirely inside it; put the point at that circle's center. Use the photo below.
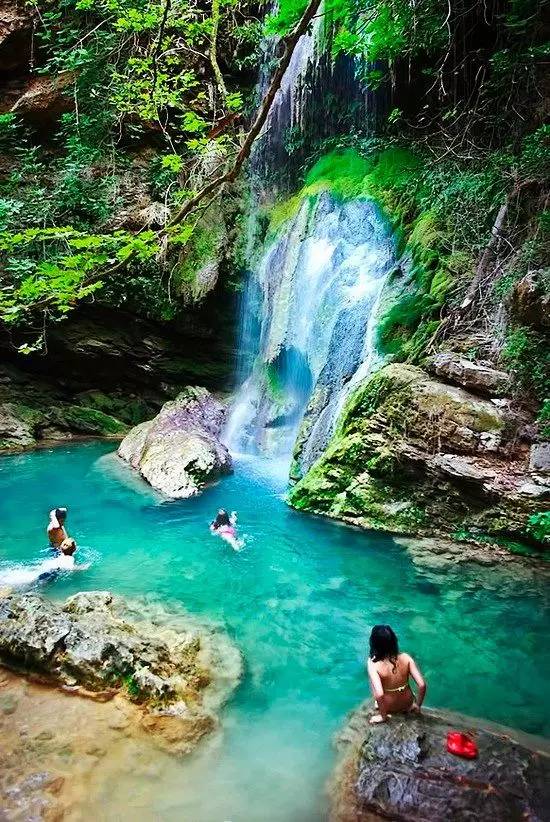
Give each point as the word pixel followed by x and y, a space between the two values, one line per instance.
pixel 389 674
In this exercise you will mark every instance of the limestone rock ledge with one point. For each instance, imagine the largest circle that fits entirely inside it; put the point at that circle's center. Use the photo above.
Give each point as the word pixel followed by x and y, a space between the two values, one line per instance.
pixel 414 455
pixel 179 451
pixel 177 671
pixel 402 770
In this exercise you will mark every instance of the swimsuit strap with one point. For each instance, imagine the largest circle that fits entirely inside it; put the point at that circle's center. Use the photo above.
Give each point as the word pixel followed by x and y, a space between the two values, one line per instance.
pixel 396 690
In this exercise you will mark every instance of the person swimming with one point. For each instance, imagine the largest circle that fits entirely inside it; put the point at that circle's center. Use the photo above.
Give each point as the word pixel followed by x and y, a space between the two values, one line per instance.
pixel 56 527
pixel 389 673
pixel 225 526
pixel 45 570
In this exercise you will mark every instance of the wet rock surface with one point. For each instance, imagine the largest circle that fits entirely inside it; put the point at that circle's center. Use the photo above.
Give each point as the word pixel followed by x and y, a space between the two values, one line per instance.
pixel 402 770
pixel 58 753
pixel 414 455
pixel 25 426
pixel 33 411
pixel 98 646
pixel 107 370
pixel 179 451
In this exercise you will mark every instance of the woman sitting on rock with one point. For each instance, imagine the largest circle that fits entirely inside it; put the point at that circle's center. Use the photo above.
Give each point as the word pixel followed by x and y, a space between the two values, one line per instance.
pixel 389 673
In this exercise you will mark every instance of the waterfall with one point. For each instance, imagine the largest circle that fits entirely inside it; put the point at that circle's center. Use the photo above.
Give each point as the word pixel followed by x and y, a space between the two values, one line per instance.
pixel 312 300
pixel 321 95
pixel 309 309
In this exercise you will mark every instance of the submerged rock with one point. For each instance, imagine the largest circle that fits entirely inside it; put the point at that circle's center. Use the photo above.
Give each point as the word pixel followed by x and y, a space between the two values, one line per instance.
pixel 413 455
pixel 402 770
pixel 177 670
pixel 179 451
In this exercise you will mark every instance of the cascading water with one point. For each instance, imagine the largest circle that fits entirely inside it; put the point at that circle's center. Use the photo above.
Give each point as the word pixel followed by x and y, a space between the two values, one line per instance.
pixel 319 282
pixel 322 95
pixel 307 324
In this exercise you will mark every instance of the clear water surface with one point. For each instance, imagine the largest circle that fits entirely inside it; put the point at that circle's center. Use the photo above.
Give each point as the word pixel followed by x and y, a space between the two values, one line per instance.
pixel 299 600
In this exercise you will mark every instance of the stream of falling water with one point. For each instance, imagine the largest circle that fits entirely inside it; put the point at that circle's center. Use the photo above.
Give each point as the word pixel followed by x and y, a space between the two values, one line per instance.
pixel 311 306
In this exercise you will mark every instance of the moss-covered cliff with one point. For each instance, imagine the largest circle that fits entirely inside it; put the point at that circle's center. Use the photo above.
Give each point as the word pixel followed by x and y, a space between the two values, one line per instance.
pixel 415 455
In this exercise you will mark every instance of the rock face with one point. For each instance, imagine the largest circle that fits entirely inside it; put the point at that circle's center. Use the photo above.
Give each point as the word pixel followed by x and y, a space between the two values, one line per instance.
pixel 529 301
pixel 16 21
pixel 98 643
pixel 414 455
pixel 43 417
pixel 46 97
pixel 402 770
pixel 476 377
pixel 115 363
pixel 179 452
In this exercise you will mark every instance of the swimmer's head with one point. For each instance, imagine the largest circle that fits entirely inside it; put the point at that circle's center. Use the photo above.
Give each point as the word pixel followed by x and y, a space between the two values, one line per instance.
pixel 222 518
pixel 68 547
pixel 61 514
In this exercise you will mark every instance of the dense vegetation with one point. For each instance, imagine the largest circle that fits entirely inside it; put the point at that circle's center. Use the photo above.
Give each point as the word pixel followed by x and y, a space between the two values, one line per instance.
pixel 153 98
pixel 460 166
pixel 145 98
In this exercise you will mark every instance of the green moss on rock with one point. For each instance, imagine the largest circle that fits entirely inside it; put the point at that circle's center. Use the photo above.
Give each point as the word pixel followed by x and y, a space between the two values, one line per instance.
pixel 131 410
pixel 91 421
pixel 400 460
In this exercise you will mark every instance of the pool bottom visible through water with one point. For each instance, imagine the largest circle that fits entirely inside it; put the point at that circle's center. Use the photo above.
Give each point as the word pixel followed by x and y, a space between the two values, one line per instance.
pixel 299 600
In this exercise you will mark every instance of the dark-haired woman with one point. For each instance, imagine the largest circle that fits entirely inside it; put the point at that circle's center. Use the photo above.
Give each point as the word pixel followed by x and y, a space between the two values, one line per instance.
pixel 225 526
pixel 389 674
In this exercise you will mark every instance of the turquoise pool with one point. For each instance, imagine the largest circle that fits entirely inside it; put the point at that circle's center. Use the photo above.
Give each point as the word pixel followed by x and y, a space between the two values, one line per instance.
pixel 299 600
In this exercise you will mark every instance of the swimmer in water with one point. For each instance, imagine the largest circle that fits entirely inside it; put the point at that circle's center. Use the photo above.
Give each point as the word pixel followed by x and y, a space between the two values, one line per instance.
pixel 225 526
pixel 22 577
pixel 56 527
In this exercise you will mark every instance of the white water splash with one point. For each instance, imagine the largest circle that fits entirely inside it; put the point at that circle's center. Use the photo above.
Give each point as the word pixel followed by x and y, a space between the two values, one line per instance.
pixel 320 282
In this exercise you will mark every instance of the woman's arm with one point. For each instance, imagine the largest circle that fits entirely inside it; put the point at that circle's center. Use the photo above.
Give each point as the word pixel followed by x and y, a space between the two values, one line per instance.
pixel 416 674
pixel 377 689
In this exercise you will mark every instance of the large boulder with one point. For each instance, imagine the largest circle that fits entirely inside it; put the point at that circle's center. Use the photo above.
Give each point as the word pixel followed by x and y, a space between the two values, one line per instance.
pixel 402 770
pixel 179 451
pixel 414 455
pixel 94 643
pixel 45 97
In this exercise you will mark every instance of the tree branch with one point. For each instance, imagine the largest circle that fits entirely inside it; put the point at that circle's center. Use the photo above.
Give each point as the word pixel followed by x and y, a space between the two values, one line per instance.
pixel 213 46
pixel 290 42
pixel 158 46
